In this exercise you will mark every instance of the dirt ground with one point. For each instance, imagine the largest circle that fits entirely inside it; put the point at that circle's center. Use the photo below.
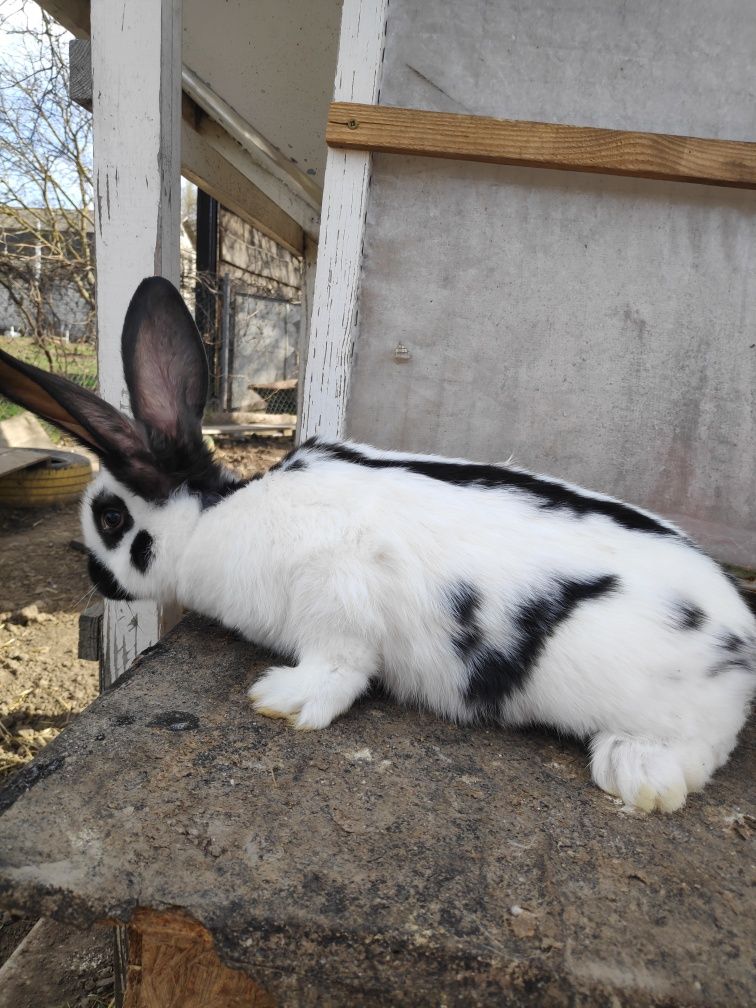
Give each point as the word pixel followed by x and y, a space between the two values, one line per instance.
pixel 43 588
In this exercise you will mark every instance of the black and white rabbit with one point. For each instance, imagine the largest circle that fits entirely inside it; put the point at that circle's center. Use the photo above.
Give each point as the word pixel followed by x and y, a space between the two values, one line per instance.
pixel 480 591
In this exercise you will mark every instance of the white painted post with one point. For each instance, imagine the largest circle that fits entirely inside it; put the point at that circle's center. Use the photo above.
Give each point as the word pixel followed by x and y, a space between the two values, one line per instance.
pixel 309 273
pixel 334 307
pixel 136 72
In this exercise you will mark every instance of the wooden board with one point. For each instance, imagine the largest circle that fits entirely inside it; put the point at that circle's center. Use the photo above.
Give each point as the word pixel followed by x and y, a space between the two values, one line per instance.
pixel 387 130
pixel 15 459
pixel 254 428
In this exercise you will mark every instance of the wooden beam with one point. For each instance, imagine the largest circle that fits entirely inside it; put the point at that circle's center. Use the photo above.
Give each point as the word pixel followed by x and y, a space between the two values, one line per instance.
pixel 383 129
pixel 74 15
pixel 204 166
pixel 267 184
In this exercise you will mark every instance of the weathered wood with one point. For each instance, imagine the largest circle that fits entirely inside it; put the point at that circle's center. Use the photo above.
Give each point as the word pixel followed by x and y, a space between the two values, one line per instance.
pixel 261 263
pixel 382 129
pixel 172 964
pixel 577 322
pixel 72 14
pixel 204 165
pixel 381 861
pixel 309 268
pixel 215 138
pixel 333 313
pixel 90 632
pixel 14 459
pixel 80 72
pixel 274 424
pixel 286 384
pixel 137 162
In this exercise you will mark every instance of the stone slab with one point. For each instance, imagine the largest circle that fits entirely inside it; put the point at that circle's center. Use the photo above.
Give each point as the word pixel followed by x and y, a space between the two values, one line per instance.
pixel 392 859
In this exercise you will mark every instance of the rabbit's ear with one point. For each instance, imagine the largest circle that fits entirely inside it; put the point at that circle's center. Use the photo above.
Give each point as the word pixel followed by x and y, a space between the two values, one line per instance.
pixel 75 410
pixel 164 362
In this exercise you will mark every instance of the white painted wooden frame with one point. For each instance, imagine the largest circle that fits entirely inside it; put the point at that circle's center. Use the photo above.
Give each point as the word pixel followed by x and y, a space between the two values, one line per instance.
pixel 136 70
pixel 332 327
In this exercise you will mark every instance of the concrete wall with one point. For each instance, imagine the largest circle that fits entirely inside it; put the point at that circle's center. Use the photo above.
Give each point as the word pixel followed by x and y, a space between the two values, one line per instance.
pixel 599 328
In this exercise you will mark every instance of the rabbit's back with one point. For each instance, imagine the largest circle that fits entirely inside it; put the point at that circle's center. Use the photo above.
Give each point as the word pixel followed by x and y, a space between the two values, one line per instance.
pixel 489 581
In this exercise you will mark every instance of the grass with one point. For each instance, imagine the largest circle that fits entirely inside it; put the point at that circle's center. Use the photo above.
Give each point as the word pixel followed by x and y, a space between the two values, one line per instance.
pixel 76 361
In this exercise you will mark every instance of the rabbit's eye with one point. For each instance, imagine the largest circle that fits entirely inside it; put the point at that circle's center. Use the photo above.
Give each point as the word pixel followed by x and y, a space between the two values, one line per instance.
pixel 111 520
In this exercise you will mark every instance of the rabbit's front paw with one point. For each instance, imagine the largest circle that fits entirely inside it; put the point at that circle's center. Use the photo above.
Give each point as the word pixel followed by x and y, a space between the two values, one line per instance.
pixel 309 696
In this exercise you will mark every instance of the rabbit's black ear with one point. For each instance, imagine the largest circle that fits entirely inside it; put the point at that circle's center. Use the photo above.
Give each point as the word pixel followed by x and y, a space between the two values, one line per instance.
pixel 75 410
pixel 164 362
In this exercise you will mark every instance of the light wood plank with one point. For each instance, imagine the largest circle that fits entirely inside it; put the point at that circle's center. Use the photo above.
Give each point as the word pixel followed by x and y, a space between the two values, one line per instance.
pixel 388 130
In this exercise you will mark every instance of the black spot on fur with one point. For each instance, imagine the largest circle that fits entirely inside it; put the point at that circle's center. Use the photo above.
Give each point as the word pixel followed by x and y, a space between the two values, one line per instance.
pixel 738 653
pixel 688 616
pixel 105 583
pixel 211 497
pixel 497 672
pixel 292 461
pixel 733 643
pixel 464 602
pixel 550 493
pixel 103 504
pixel 170 464
pixel 141 551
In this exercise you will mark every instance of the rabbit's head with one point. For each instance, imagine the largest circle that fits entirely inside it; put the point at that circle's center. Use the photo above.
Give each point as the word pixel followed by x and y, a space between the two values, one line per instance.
pixel 157 472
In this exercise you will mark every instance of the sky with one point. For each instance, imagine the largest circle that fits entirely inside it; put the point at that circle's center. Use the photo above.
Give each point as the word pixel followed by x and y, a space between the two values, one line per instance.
pixel 15 16
pixel 19 54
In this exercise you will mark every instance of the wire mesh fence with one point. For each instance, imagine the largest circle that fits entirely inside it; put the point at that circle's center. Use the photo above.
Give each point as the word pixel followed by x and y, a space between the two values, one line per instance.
pixel 252 341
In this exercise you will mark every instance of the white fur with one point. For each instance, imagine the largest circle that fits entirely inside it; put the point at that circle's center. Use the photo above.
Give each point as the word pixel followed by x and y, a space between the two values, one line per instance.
pixel 345 569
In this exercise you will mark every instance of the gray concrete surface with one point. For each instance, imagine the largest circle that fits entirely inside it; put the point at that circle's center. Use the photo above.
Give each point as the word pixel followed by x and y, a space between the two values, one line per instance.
pixel 392 859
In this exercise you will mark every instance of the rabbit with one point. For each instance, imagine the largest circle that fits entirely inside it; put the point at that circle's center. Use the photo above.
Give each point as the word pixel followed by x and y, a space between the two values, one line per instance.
pixel 483 592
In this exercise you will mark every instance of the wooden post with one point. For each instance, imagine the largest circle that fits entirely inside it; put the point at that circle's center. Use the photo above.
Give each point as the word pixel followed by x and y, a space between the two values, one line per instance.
pixel 136 72
pixel 309 272
pixel 334 304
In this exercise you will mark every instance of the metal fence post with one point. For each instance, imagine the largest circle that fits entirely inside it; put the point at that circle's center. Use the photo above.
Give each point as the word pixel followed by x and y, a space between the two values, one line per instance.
pixel 225 341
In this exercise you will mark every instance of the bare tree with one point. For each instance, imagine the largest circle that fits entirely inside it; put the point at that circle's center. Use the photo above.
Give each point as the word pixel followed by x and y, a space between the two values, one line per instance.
pixel 46 217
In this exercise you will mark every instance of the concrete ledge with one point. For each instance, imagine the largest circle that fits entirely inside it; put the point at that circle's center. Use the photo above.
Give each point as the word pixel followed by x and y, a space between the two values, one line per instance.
pixel 390 860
